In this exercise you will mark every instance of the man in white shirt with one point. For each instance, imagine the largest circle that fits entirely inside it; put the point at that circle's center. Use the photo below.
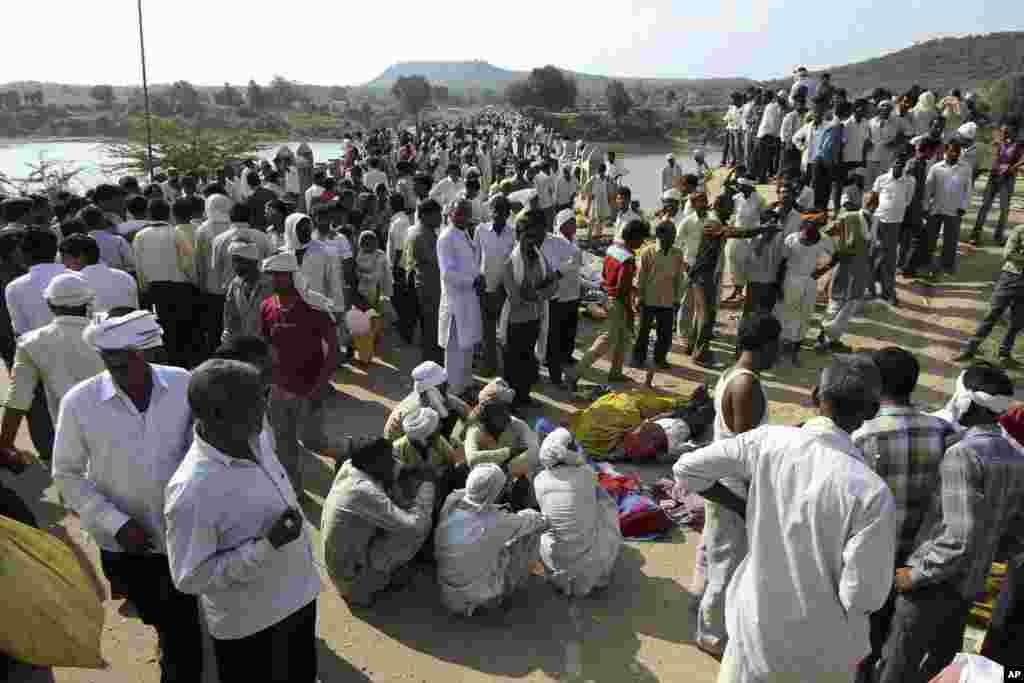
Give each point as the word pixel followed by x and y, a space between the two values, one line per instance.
pixel 821 528
pixel 120 437
pixel 114 249
pixel 857 132
pixel 165 285
pixel 53 357
pixel 790 156
pixel 112 288
pixel 749 205
pixel 495 241
pixel 730 150
pixel 236 536
pixel 24 295
pixel 947 193
pixel 768 136
pixel 561 253
pixel 460 327
pixel 375 176
pixel 403 300
pixel 565 188
pixel 545 185
pixel 884 133
pixel 895 189
pixel 448 189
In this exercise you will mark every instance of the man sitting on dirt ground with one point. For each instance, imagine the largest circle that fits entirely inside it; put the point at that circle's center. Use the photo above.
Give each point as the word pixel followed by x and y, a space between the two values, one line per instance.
pixel 368 540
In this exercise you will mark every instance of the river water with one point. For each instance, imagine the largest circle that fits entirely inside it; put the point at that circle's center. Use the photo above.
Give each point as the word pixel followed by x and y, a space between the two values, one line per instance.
pixel 643 163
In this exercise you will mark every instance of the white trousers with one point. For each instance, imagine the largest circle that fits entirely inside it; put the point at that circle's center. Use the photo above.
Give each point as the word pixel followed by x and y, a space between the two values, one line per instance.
pixel 458 362
pixel 736 261
pixel 797 307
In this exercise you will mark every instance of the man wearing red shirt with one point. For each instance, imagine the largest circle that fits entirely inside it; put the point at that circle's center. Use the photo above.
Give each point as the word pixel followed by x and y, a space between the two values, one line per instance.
pixel 1008 162
pixel 618 275
pixel 300 327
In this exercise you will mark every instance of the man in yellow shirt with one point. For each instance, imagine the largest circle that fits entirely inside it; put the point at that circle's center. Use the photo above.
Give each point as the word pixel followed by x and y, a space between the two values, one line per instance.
pixel 661 282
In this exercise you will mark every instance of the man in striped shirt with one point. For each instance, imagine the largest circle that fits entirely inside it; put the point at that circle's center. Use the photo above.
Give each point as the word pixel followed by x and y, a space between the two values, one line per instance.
pixel 978 506
pixel 905 447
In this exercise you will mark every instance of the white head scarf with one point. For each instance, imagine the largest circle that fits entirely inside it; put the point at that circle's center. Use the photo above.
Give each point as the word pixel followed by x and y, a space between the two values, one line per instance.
pixel 421 424
pixel 498 390
pixel 483 485
pixel 218 209
pixel 556 450
pixel 136 331
pixel 963 397
pixel 925 102
pixel 968 131
pixel 285 262
pixel 69 290
pixel 428 375
pixel 563 217
pixel 291 239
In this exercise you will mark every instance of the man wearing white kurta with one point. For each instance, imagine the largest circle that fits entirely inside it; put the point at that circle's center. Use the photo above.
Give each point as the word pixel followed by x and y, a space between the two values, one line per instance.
pixel 459 328
pixel 821 527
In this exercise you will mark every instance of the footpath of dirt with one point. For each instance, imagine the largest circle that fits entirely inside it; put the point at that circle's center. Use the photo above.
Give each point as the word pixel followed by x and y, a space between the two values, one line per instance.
pixel 639 629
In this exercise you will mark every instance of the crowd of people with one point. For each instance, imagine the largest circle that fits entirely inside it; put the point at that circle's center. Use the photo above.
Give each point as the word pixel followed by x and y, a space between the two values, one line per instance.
pixel 171 346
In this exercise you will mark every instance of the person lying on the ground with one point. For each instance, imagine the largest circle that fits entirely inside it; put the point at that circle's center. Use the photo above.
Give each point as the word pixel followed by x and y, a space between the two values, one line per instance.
pixel 580 548
pixel 368 540
pixel 483 553
pixel 430 390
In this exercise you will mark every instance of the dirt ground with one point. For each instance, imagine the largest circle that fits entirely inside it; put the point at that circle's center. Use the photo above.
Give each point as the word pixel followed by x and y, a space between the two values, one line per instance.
pixel 641 628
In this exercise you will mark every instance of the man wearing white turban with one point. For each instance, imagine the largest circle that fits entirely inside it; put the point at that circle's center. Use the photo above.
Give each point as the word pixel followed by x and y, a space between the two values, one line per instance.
pixel 430 390
pixel 483 553
pixel 121 436
pixel 299 324
pixel 580 548
pixel 246 292
pixel 54 356
pixel 975 510
pixel 368 539
pixel 423 443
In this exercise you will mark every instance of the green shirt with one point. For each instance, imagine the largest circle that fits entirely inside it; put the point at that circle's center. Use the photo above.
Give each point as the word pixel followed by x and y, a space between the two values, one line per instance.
pixel 1013 252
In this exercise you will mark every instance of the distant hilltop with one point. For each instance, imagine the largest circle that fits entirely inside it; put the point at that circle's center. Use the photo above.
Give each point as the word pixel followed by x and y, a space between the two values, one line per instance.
pixel 940 64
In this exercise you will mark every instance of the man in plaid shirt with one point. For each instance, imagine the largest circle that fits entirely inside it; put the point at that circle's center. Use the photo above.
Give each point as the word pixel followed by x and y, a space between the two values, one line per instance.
pixel 980 503
pixel 904 446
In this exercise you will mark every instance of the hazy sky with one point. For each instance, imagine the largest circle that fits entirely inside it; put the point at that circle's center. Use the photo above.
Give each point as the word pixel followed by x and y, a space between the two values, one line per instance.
pixel 213 41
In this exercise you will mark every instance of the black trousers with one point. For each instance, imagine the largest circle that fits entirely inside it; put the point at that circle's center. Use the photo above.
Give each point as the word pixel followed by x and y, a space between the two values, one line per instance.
pixel 767 156
pixel 211 326
pixel 1004 642
pixel 880 622
pixel 839 180
pixel 563 323
pixel 521 368
pixel 175 304
pixel 927 621
pixel 145 580
pixel 430 314
pixel 282 653
pixel 404 300
pixel 40 425
pixel 821 179
pixel 661 318
pixel 1009 292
